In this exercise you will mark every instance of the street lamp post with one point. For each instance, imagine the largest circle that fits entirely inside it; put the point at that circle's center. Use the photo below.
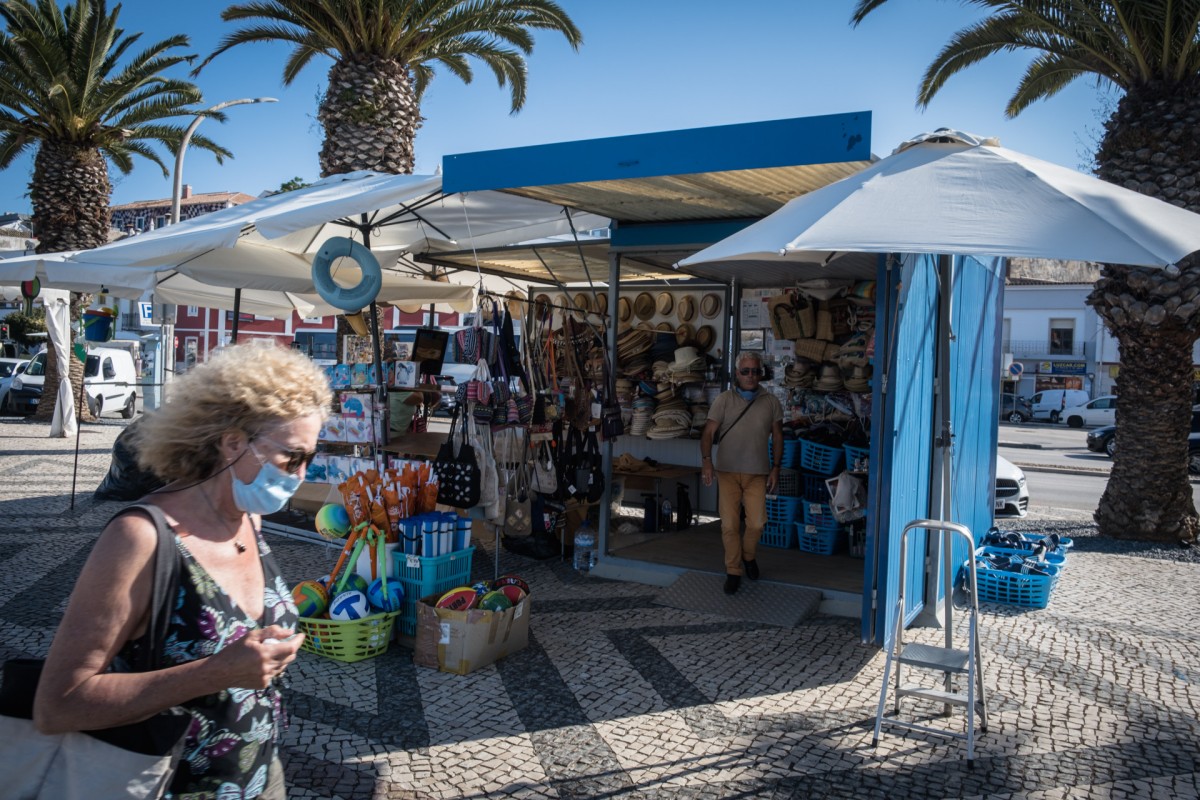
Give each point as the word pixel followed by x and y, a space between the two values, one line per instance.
pixel 167 343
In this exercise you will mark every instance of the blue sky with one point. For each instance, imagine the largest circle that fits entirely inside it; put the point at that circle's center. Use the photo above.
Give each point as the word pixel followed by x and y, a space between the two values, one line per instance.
pixel 645 65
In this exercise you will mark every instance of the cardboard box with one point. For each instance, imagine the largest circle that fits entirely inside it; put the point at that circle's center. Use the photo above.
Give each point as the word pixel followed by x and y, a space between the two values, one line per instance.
pixel 463 641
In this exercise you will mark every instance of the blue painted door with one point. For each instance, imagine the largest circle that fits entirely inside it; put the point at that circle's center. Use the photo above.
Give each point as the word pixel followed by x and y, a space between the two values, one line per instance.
pixel 902 439
pixel 977 316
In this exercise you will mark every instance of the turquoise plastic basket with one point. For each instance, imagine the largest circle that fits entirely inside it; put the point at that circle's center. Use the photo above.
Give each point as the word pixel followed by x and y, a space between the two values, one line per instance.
pixel 428 576
pixel 778 534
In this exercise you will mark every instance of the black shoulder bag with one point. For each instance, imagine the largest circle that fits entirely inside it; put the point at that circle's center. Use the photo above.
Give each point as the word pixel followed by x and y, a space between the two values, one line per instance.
pixel 143 753
pixel 459 478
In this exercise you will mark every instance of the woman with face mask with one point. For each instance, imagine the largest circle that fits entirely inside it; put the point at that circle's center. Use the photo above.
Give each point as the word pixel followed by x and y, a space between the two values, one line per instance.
pixel 233 444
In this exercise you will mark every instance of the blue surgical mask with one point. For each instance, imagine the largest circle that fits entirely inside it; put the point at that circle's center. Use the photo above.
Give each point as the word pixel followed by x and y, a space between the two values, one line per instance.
pixel 747 394
pixel 268 492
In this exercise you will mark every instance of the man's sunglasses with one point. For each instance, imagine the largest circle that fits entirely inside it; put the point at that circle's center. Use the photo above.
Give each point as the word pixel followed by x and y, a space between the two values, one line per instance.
pixel 750 371
pixel 295 457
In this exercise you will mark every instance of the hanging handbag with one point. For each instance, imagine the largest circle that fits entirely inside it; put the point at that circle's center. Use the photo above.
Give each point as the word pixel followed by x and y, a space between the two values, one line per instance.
pixel 545 474
pixel 458 474
pixel 131 761
pixel 518 512
pixel 489 480
pixel 595 484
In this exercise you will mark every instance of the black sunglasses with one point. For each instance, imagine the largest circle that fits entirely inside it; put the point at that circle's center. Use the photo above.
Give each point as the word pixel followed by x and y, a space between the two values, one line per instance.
pixel 751 371
pixel 295 457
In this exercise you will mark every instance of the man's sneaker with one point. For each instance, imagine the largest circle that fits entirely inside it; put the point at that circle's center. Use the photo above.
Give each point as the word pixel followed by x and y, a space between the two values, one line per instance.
pixel 732 582
pixel 751 569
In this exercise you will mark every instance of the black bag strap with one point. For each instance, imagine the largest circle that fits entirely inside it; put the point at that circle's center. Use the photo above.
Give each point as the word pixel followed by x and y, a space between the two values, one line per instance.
pixel 147 651
pixel 723 434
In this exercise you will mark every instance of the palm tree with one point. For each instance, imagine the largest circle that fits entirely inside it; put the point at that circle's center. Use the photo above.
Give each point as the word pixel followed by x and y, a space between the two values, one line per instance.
pixel 1150 52
pixel 65 91
pixel 384 55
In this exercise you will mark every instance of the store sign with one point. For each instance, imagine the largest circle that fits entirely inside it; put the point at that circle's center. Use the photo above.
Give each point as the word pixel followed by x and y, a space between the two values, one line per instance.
pixel 145 314
pixel 1062 367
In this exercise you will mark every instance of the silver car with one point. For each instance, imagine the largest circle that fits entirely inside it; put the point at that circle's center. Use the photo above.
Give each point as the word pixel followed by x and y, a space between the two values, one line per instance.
pixel 9 369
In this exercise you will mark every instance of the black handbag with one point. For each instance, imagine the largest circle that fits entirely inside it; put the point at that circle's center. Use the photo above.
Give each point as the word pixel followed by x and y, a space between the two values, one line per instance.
pixel 160 736
pixel 459 477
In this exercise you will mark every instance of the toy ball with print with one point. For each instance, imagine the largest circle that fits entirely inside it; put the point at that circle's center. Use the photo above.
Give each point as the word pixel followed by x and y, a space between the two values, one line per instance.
pixel 514 593
pixel 353 583
pixel 512 580
pixel 311 598
pixel 495 601
pixel 389 597
pixel 459 599
pixel 349 606
pixel 333 522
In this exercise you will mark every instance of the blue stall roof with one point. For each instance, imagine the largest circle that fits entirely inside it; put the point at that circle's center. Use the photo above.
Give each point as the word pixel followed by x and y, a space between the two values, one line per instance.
pixel 724 172
pixel 669 193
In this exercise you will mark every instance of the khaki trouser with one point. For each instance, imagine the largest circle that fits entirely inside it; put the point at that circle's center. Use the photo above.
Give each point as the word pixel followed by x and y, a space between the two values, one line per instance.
pixel 734 491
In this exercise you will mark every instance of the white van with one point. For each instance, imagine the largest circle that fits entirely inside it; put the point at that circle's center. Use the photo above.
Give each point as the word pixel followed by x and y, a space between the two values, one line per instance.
pixel 110 380
pixel 1050 403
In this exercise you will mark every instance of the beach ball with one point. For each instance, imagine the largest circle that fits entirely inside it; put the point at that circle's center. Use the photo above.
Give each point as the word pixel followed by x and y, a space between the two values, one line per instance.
pixel 349 605
pixel 391 600
pixel 333 522
pixel 356 583
pixel 311 598
pixel 512 580
pixel 495 601
pixel 515 594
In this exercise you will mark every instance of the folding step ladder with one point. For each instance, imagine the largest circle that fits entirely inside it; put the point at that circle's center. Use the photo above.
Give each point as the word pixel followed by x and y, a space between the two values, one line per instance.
pixel 952 662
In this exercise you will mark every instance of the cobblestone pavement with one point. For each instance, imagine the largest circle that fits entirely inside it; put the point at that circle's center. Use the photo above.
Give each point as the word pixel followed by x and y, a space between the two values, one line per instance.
pixel 1095 697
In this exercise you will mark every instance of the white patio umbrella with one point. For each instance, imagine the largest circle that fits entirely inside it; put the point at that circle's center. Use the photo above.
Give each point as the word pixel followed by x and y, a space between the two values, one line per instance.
pixel 950 192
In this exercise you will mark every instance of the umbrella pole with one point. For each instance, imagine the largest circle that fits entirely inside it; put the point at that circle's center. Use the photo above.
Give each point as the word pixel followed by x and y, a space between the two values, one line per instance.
pixel 237 313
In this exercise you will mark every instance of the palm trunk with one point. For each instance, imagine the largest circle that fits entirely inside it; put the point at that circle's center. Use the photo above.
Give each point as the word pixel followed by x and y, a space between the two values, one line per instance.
pixel 370 115
pixel 1149 145
pixel 69 191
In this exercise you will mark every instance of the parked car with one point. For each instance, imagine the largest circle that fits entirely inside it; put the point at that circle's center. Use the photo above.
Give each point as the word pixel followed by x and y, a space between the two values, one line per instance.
pixel 1101 411
pixel 1193 455
pixel 9 369
pixel 1102 440
pixel 1050 403
pixel 1012 493
pixel 25 390
pixel 109 380
pixel 1015 410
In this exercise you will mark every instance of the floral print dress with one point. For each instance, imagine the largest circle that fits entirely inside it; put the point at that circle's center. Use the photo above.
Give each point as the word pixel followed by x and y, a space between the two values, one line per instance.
pixel 231 741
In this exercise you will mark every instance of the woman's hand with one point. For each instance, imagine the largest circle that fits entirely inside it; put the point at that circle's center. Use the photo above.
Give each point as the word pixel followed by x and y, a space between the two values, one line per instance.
pixel 258 658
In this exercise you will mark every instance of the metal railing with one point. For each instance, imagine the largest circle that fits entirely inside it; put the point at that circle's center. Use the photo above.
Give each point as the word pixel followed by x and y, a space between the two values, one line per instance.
pixel 1044 348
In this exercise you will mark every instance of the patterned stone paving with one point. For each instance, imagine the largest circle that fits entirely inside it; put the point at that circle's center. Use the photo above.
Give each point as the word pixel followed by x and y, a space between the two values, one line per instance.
pixel 619 696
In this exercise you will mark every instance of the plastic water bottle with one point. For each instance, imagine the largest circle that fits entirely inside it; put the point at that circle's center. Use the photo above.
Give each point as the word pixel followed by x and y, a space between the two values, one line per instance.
pixel 585 547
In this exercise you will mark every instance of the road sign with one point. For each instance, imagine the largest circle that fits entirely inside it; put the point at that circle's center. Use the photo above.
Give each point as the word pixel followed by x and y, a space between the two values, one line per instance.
pixel 1016 368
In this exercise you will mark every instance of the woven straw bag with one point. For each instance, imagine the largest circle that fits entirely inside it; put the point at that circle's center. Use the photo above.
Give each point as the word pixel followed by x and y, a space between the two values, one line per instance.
pixel 811 349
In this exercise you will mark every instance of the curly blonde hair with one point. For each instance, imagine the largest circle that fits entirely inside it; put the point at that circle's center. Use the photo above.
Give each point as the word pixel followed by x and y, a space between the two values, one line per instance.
pixel 243 387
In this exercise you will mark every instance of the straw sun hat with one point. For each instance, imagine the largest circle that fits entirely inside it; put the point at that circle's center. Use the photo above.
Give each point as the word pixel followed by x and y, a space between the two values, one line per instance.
pixel 686 308
pixel 624 309
pixel 710 305
pixel 643 306
pixel 666 302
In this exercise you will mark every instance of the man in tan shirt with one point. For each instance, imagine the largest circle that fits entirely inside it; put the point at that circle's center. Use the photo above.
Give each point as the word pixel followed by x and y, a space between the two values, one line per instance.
pixel 744 417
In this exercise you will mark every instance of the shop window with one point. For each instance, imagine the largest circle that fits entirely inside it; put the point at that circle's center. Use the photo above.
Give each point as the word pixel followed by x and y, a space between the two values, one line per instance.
pixel 1062 337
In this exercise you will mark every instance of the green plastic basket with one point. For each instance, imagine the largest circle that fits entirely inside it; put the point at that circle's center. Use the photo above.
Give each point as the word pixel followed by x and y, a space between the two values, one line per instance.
pixel 348 640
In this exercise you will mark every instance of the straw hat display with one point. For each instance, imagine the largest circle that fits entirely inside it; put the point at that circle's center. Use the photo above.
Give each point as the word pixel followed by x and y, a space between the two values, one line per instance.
pixel 686 308
pixel 830 380
pixel 642 417
pixel 602 303
pixel 799 375
pixel 688 366
pixel 583 302
pixel 624 309
pixel 684 334
pixel 666 302
pixel 542 301
pixel 665 327
pixel 710 305
pixel 643 306
pixel 706 337
pixel 671 420
pixel 859 379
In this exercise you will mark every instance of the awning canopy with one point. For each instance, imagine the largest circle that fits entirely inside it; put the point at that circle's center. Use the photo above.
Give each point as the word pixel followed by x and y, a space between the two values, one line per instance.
pixel 669 194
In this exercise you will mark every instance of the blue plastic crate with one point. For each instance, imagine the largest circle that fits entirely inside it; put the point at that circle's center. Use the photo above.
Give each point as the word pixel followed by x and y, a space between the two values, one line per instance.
pixel 791 452
pixel 784 509
pixel 858 459
pixel 813 488
pixel 821 541
pixel 821 458
pixel 1053 557
pixel 1015 588
pixel 778 534
pixel 422 576
pixel 820 516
